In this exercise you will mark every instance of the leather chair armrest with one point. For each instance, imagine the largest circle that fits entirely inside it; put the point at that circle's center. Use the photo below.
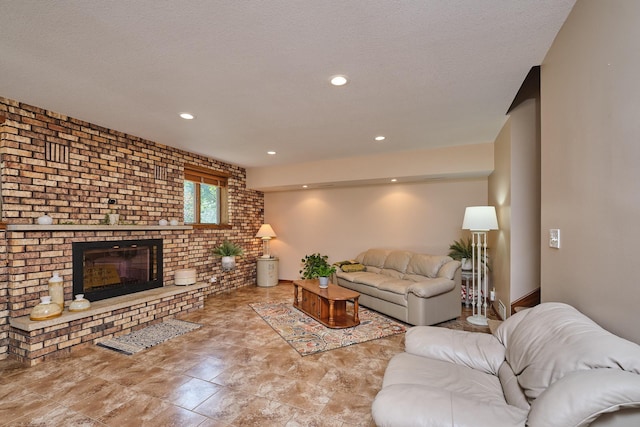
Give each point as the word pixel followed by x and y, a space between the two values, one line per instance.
pixel 477 351
pixel 580 397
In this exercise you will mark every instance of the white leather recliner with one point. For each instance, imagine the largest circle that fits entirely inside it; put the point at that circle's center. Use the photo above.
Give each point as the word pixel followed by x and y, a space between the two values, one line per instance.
pixel 547 366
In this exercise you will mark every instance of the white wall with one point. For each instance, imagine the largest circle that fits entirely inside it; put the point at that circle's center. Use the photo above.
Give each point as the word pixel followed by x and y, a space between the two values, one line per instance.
pixel 525 199
pixel 590 164
pixel 500 196
pixel 342 222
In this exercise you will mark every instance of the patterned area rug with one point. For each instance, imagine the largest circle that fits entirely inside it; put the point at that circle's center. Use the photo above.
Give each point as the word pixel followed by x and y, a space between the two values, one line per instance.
pixel 149 336
pixel 307 336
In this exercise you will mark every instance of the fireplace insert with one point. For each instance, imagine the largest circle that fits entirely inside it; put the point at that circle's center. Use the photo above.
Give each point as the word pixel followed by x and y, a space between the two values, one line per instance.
pixel 112 268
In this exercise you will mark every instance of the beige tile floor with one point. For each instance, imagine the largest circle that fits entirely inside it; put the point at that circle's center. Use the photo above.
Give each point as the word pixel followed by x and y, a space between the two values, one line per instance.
pixel 234 371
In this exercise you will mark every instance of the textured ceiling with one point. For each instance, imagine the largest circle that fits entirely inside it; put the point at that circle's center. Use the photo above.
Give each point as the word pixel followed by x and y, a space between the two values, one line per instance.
pixel 425 73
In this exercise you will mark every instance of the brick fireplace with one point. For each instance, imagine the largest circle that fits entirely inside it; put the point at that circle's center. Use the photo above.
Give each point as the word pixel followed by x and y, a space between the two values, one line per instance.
pixel 69 169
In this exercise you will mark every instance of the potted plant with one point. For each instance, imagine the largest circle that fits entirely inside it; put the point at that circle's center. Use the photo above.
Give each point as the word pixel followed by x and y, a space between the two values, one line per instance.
pixel 324 271
pixel 462 250
pixel 228 251
pixel 316 266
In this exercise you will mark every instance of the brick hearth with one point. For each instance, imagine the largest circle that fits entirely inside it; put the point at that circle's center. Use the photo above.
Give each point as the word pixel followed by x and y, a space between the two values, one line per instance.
pixel 34 341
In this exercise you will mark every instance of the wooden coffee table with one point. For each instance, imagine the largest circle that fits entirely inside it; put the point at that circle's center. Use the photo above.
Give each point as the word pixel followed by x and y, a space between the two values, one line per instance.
pixel 327 305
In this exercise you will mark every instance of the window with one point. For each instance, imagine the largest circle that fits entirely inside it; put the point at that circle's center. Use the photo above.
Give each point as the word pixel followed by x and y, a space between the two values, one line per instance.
pixel 205 197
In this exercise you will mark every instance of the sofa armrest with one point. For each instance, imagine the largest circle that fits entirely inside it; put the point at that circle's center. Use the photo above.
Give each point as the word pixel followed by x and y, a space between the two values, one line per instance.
pixel 449 269
pixel 431 287
pixel 402 405
pixel 475 350
pixel 580 397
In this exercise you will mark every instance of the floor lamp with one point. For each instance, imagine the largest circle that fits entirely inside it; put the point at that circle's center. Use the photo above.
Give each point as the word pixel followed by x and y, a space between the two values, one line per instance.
pixel 479 219
pixel 266 233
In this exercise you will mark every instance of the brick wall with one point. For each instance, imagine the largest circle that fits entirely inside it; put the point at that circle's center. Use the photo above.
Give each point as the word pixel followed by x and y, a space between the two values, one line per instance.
pixel 68 168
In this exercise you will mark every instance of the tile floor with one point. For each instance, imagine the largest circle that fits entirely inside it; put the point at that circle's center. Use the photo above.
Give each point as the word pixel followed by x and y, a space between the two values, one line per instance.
pixel 234 371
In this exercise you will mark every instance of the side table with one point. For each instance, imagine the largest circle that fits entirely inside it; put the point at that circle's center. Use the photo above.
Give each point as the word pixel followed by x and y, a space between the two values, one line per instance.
pixel 267 272
pixel 467 276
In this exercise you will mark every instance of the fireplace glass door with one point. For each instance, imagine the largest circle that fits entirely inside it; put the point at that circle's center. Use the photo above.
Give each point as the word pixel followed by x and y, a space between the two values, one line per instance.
pixel 108 269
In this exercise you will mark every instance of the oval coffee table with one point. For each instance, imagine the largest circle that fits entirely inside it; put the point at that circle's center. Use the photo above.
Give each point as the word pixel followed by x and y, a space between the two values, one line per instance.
pixel 327 305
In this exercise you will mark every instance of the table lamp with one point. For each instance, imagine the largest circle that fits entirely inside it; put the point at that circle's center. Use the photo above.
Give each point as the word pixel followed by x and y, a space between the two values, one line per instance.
pixel 266 233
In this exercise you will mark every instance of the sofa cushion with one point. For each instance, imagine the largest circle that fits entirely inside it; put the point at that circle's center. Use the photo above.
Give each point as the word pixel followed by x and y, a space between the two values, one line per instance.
pixel 351 277
pixel 396 286
pixel 397 260
pixel 426 265
pixel 406 368
pixel 392 297
pixel 421 405
pixel 368 278
pixel 513 393
pixel 374 258
pixel 391 273
pixel 551 340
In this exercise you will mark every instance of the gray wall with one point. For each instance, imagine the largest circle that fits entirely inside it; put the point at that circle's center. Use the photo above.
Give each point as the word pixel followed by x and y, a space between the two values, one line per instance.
pixel 590 114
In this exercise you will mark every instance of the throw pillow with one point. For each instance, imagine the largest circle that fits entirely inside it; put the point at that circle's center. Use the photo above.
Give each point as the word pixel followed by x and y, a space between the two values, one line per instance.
pixel 352 268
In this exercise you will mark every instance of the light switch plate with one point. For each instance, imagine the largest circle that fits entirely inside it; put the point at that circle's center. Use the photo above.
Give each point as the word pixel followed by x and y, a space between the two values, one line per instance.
pixel 554 238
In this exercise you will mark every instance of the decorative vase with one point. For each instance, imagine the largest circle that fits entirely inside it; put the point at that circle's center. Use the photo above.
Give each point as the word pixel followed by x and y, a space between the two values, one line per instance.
pixel 45 310
pixel 114 218
pixel 173 222
pixel 79 304
pixel 466 264
pixel 163 222
pixel 56 290
pixel 228 263
pixel 45 220
pixel 324 282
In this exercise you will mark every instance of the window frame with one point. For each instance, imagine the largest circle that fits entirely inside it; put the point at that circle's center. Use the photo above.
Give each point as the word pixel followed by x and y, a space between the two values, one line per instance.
pixel 201 175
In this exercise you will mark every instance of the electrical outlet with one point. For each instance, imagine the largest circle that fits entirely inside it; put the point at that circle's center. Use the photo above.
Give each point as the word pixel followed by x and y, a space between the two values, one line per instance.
pixel 213 279
pixel 554 238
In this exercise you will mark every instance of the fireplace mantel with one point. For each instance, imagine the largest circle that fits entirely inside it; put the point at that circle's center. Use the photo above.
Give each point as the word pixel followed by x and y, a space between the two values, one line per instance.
pixel 92 227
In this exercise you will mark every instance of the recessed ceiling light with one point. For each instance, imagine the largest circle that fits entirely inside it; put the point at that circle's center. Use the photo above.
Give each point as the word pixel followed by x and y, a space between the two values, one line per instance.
pixel 305 186
pixel 187 116
pixel 380 138
pixel 271 153
pixel 339 80
pixel 394 180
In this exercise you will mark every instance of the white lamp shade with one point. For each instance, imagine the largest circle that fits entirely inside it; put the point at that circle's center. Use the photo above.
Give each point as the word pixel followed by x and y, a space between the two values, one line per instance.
pixel 480 218
pixel 266 232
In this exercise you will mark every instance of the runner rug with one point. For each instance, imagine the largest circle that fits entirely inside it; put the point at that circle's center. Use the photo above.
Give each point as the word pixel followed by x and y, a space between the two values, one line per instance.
pixel 149 336
pixel 307 336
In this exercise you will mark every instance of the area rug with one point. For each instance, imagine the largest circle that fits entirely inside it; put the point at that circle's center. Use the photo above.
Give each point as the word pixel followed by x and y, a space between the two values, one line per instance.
pixel 149 336
pixel 307 336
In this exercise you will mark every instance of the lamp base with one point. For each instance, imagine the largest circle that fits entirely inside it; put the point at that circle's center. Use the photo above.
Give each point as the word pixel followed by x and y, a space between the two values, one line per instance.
pixel 478 319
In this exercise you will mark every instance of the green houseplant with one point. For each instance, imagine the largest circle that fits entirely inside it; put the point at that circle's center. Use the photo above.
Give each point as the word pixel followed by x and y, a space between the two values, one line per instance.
pixel 317 266
pixel 228 251
pixel 462 250
pixel 325 270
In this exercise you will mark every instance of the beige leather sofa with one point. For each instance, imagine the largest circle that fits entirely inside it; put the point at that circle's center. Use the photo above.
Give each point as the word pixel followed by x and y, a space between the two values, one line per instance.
pixel 418 289
pixel 547 366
